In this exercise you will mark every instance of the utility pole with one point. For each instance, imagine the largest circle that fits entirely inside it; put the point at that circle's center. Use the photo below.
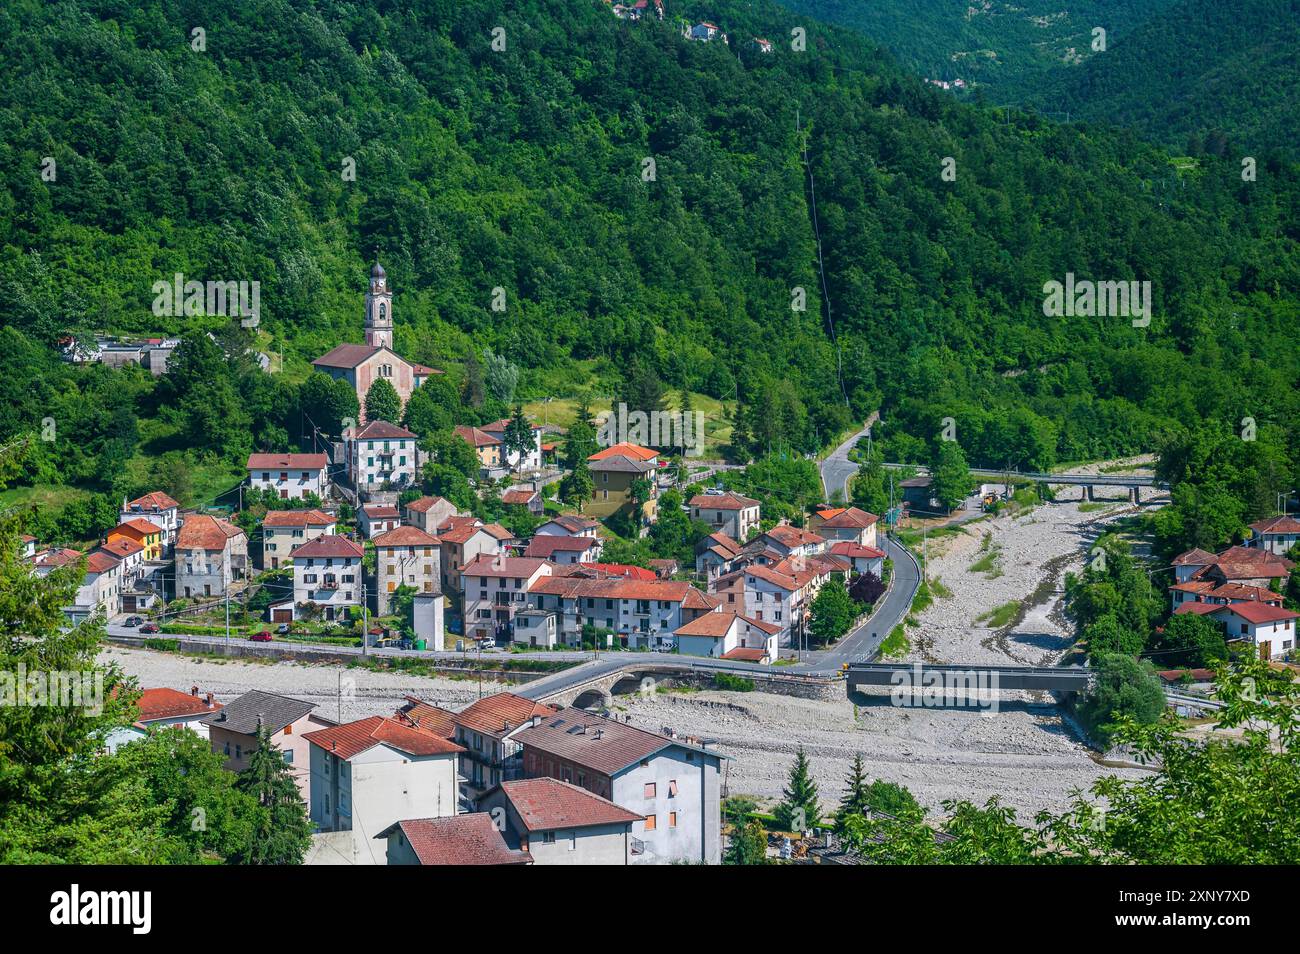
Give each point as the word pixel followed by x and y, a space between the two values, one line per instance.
pixel 365 613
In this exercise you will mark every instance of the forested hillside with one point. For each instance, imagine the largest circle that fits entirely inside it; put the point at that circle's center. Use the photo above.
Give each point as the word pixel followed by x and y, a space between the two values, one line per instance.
pixel 1201 73
pixel 523 169
pixel 1006 49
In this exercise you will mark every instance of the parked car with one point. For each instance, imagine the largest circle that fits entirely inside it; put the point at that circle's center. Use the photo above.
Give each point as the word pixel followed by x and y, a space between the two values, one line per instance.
pixel 149 628
pixel 263 637
pixel 282 629
pixel 132 621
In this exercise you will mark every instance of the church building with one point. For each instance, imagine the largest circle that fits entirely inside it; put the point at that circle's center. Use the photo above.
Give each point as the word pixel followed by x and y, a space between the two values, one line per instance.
pixel 362 365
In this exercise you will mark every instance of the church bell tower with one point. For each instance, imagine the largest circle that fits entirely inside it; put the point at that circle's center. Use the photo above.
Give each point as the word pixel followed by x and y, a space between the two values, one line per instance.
pixel 379 310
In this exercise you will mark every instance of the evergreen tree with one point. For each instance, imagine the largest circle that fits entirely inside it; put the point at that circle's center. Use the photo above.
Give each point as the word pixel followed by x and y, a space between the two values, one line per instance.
pixel 382 402
pixel 578 486
pixel 748 846
pixel 282 834
pixel 854 801
pixel 832 611
pixel 518 437
pixel 799 809
pixel 870 490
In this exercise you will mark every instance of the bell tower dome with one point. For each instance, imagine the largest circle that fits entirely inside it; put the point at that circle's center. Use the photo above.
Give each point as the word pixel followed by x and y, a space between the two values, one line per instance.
pixel 379 310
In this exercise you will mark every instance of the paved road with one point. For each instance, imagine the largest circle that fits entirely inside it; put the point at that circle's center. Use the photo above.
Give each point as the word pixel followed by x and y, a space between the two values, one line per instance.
pixel 836 469
pixel 863 643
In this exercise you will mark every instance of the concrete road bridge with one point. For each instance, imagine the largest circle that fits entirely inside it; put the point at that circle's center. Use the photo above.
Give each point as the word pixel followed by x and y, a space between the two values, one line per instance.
pixel 1091 483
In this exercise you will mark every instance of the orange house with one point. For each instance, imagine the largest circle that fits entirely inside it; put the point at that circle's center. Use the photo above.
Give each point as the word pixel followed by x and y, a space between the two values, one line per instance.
pixel 143 532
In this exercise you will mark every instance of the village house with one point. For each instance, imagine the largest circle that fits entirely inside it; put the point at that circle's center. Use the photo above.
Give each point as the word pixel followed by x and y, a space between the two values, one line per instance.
pixel 847 524
pixel 762 45
pixel 362 365
pixel 211 557
pixel 1213 593
pixel 428 512
pixel 571 525
pixel 645 614
pixel 233 732
pixel 374 519
pixel 486 730
pixel 1245 565
pixel 283 531
pixel 715 555
pixel 673 783
pixel 860 558
pixel 615 471
pixel 728 513
pixel 486 447
pixel 290 476
pixel 529 460
pixel 135 583
pixel 163 707
pixel 564 550
pixel 380 456
pixel 406 556
pixel 779 593
pixel 369 774
pixel 145 534
pixel 558 823
pixel 790 541
pixel 464 540
pixel 704 32
pixel 530 500
pixel 327 576
pixel 726 634
pixel 100 589
pixel 1276 535
pixel 1270 629
pixel 495 587
pixel 470 839
pixel 160 510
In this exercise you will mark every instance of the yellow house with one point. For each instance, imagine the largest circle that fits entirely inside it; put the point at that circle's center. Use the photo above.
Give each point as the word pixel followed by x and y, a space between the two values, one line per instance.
pixel 487 447
pixel 148 535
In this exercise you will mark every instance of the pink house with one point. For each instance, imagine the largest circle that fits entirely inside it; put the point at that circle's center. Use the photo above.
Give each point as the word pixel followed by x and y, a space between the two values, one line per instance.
pixel 233 731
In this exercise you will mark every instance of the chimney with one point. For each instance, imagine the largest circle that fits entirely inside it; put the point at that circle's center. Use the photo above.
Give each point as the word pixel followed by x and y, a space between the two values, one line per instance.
pixel 194 690
pixel 600 734
pixel 210 700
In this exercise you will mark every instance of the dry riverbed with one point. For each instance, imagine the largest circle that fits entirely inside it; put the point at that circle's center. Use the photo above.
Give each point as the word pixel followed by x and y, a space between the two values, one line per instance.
pixel 1024 752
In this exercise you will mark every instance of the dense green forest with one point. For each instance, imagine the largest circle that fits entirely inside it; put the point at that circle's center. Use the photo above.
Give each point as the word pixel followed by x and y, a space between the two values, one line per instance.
pixel 524 169
pixel 1006 49
pixel 1199 75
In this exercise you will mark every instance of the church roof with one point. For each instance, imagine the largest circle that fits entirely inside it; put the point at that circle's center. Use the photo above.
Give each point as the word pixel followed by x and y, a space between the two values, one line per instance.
pixel 346 356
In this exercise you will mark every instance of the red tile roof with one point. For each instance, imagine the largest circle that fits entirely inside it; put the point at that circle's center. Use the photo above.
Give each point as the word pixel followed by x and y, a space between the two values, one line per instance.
pixel 121 548
pixel 500 713
pixel 727 501
pixel 545 804
pixel 1258 612
pixel 791 537
pixel 1277 524
pixel 353 738
pixel 428 718
pixel 202 532
pixel 155 498
pixel 330 545
pixel 624 449
pixel 345 356
pixel 165 703
pixel 850 518
pixel 619 588
pixel 472 839
pixel 137 526
pixel 574 523
pixel 405 537
pixel 1194 557
pixel 512 497
pixel 382 430
pixel 476 437
pixel 847 548
pixel 620 569
pixel 380 512
pixel 486 564
pixel 297 518
pixel 424 504
pixel 1200 609
pixel 709 624
pixel 745 654
pixel 100 562
pixel 545 545
pixel 286 462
